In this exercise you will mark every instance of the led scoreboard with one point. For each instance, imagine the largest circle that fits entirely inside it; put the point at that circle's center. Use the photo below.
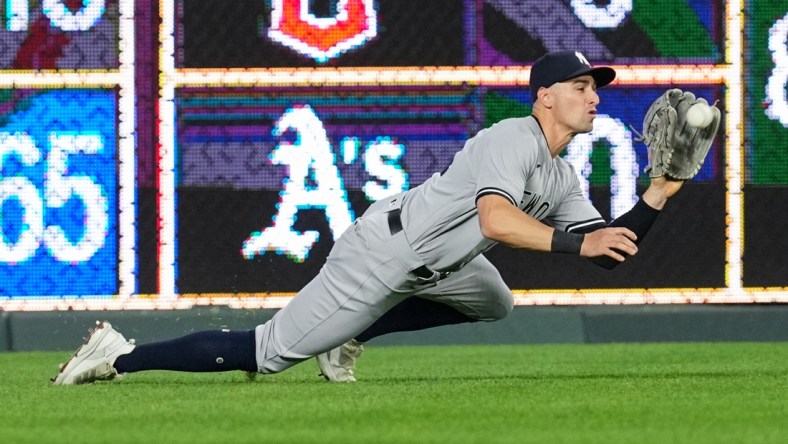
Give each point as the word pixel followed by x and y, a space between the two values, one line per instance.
pixel 277 122
pixel 59 192
pixel 66 152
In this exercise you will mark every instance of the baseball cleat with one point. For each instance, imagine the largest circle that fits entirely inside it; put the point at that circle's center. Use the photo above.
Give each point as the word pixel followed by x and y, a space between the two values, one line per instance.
pixel 93 360
pixel 337 365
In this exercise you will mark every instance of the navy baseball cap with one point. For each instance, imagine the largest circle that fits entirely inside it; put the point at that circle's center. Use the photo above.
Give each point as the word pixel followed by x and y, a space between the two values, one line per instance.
pixel 560 66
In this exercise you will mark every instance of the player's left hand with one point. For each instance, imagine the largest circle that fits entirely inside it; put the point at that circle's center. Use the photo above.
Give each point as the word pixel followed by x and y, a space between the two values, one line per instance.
pixel 679 130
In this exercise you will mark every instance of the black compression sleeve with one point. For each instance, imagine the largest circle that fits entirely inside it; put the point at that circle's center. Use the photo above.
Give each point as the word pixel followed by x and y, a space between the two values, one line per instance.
pixel 639 219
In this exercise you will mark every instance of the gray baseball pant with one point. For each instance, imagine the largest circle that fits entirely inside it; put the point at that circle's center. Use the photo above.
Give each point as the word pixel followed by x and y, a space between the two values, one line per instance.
pixel 366 274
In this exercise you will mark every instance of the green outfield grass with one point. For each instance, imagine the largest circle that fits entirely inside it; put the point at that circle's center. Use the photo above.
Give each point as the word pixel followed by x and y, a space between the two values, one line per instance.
pixel 657 393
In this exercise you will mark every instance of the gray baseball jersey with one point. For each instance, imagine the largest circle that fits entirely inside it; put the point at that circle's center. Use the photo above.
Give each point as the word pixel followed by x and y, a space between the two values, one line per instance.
pixel 369 269
pixel 509 159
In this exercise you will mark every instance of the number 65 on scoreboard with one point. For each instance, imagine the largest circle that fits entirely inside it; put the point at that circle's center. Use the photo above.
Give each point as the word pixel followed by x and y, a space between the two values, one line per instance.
pixel 58 194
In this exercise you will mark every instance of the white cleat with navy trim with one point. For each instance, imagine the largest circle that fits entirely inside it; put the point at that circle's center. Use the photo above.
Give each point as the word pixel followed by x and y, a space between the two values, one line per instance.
pixel 337 365
pixel 93 361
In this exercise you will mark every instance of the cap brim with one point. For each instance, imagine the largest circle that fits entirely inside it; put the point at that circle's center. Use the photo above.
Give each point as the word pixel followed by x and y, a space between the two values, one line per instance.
pixel 602 75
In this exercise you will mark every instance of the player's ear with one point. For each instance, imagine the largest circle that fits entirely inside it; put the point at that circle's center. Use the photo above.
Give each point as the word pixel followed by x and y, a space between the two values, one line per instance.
pixel 544 97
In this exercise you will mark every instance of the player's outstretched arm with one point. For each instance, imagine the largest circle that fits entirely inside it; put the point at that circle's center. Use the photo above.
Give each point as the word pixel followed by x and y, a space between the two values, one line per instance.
pixel 502 222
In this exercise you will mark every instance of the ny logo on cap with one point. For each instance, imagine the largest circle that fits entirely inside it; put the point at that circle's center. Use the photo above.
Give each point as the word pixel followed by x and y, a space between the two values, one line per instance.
pixel 582 58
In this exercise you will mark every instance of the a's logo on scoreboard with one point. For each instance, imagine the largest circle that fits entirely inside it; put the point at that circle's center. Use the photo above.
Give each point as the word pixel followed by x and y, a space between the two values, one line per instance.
pixel 323 38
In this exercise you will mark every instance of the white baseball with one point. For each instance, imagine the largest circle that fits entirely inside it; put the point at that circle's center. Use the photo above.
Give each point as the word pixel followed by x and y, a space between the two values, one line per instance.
pixel 699 115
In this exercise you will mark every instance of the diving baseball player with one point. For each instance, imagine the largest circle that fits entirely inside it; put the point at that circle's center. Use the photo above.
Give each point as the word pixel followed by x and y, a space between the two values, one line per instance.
pixel 414 260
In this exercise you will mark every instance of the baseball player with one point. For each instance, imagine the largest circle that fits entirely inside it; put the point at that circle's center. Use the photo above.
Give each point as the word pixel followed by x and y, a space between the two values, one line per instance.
pixel 414 260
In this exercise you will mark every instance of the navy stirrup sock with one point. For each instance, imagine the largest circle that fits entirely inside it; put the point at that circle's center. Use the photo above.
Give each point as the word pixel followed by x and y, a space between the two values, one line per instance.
pixel 414 313
pixel 206 351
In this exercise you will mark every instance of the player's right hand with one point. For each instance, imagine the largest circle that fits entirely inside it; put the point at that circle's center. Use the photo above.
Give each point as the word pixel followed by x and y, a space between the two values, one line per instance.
pixel 611 242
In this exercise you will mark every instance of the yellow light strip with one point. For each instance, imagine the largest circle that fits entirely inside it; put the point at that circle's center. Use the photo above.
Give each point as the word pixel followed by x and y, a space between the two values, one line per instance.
pixel 734 157
pixel 434 75
pixel 647 296
pixel 166 153
pixel 127 214
pixel 430 75
pixel 61 78
pixel 521 297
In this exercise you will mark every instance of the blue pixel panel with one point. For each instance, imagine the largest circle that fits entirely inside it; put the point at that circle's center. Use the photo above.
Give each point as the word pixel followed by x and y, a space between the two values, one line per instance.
pixel 58 193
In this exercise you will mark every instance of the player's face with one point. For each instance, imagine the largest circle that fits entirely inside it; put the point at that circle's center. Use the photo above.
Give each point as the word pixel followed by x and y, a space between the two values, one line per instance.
pixel 575 103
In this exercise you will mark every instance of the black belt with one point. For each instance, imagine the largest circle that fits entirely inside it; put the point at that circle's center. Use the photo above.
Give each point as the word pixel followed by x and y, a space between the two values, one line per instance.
pixel 395 226
pixel 395 221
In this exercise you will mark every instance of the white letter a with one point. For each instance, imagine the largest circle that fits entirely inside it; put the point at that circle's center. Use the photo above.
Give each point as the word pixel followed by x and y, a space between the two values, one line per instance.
pixel 312 150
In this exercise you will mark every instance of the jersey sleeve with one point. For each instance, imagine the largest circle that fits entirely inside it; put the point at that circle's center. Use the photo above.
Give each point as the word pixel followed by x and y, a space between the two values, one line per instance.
pixel 503 163
pixel 575 213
